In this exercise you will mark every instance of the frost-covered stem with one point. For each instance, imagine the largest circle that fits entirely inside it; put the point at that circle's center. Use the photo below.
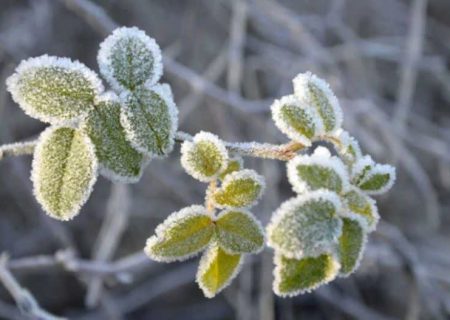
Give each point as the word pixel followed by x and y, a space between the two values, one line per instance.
pixel 209 203
pixel 282 152
pixel 24 300
pixel 17 149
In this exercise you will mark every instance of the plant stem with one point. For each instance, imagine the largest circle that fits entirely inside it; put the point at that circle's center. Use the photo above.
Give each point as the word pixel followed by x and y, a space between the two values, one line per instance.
pixel 282 152
pixel 17 149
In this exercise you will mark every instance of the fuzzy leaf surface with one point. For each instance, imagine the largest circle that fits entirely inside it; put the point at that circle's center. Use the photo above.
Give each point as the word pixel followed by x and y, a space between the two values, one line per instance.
pixel 351 246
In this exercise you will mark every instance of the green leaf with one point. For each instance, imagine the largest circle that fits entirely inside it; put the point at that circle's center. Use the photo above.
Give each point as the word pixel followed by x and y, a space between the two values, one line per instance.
pixel 205 157
pixel 149 117
pixel 239 232
pixel 316 93
pixel 295 119
pixel 239 189
pixel 317 171
pixel 54 89
pixel 129 58
pixel 371 177
pixel 306 226
pixel 234 164
pixel 347 146
pixel 64 171
pixel 216 270
pixel 351 246
pixel 297 276
pixel 119 161
pixel 182 235
pixel 363 208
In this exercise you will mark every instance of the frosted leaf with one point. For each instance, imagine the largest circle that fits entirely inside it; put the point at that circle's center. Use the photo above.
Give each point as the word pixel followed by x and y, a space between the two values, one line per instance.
pixel 235 163
pixel 379 179
pixel 182 235
pixel 239 232
pixel 64 171
pixel 316 93
pixel 348 147
pixel 307 225
pixel 297 276
pixel 296 120
pixel 54 89
pixel 217 269
pixel 128 58
pixel 362 208
pixel 317 171
pixel 205 157
pixel 361 168
pixel 150 119
pixel 351 246
pixel 118 160
pixel 239 189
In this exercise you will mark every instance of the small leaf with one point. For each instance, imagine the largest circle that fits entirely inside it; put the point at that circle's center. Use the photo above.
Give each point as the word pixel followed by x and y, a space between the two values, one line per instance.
pixel 149 117
pixel 239 232
pixel 216 270
pixel 182 235
pixel 295 119
pixel 378 180
pixel 239 189
pixel 205 157
pixel 317 171
pixel 64 171
pixel 316 93
pixel 54 89
pixel 294 277
pixel 351 246
pixel 119 161
pixel 361 168
pixel 307 225
pixel 129 58
pixel 347 146
pixel 234 164
pixel 362 208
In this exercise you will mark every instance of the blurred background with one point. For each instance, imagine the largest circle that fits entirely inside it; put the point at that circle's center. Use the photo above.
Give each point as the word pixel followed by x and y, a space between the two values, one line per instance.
pixel 226 60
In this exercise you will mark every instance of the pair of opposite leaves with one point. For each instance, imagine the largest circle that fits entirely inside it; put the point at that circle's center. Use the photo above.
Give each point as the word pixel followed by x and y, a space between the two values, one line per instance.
pixel 115 133
pixel 226 237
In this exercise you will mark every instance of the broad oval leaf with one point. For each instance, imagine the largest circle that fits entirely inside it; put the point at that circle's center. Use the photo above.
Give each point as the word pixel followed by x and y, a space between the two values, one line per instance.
pixel 119 161
pixel 351 246
pixel 239 232
pixel 295 119
pixel 234 164
pixel 239 189
pixel 307 225
pixel 128 58
pixel 297 276
pixel 182 235
pixel 216 270
pixel 316 93
pixel 318 171
pixel 54 89
pixel 363 208
pixel 64 171
pixel 149 117
pixel 205 157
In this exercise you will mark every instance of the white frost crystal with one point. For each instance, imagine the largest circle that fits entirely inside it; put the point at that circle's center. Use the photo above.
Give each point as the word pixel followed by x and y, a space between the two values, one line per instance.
pixel 129 58
pixel 316 93
pixel 54 90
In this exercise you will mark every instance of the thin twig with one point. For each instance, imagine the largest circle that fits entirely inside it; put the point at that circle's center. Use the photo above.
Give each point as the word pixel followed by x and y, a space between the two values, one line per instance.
pixel 17 149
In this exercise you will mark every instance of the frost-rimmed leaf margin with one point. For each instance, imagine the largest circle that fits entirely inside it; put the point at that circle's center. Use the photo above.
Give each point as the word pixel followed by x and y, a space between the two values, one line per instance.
pixel 171 221
pixel 379 169
pixel 360 253
pixel 104 59
pixel 46 61
pixel 206 260
pixel 361 218
pixel 232 161
pixel 37 160
pixel 334 270
pixel 348 147
pixel 300 83
pixel 253 219
pixel 360 168
pixel 165 93
pixel 106 97
pixel 322 158
pixel 188 146
pixel 315 122
pixel 233 177
pixel 288 206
